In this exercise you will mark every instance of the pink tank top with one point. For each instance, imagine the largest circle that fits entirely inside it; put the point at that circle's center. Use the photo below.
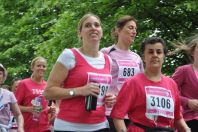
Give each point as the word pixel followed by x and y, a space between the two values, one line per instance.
pixel 73 110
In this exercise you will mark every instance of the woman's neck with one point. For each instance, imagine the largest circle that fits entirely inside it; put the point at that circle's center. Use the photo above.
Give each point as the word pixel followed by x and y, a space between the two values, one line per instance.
pixel 37 79
pixel 153 75
pixel 195 66
pixel 89 51
pixel 123 46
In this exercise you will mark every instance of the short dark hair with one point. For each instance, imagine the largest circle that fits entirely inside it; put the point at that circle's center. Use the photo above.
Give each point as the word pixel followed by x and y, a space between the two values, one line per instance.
pixel 152 40
pixel 15 80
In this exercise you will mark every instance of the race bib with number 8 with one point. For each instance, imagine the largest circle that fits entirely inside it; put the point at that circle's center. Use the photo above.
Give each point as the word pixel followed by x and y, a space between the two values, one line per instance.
pixel 127 68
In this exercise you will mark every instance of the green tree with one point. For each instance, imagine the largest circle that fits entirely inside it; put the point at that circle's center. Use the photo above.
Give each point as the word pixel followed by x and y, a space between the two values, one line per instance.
pixel 44 28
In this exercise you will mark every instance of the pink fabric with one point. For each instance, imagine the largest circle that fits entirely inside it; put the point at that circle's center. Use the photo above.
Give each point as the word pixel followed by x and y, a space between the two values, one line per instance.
pixel 132 101
pixel 118 54
pixel 196 72
pixel 115 55
pixel 27 90
pixel 73 110
pixel 187 82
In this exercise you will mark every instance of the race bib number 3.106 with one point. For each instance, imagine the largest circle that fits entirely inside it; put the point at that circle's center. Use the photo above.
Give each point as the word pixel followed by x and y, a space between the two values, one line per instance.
pixel 104 81
pixel 159 102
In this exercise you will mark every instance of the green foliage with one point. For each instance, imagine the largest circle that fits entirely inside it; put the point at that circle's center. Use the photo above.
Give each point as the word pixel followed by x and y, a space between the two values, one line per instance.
pixel 44 28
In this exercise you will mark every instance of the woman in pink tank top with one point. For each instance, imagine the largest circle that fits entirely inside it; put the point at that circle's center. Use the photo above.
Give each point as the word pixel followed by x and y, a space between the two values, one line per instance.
pixel 78 83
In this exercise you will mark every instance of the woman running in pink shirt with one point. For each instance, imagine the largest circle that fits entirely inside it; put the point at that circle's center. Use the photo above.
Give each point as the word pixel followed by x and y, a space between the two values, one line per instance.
pixel 30 99
pixel 186 78
pixel 80 73
pixel 126 63
pixel 150 99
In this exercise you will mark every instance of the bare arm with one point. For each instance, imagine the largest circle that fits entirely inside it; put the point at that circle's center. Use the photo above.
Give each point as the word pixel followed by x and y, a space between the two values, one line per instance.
pixel 182 126
pixel 26 108
pixel 110 100
pixel 55 91
pixel 193 104
pixel 119 125
pixel 19 117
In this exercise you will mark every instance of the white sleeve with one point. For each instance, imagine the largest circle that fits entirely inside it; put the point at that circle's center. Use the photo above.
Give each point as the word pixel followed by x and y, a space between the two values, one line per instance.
pixel 67 58
pixel 110 61
pixel 104 50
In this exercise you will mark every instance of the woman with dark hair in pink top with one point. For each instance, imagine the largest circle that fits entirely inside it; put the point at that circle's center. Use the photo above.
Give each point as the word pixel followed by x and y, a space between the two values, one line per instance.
pixel 150 99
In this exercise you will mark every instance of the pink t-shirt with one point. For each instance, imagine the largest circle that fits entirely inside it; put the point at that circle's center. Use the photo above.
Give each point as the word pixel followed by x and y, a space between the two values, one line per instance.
pixel 27 90
pixel 6 98
pixel 196 72
pixel 125 64
pixel 187 81
pixel 135 100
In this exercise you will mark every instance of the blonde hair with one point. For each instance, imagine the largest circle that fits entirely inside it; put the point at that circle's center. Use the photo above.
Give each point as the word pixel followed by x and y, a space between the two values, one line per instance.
pixel 82 20
pixel 187 46
pixel 36 59
pixel 80 24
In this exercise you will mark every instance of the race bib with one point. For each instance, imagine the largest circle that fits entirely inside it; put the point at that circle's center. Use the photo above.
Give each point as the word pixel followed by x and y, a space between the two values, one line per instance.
pixel 126 68
pixel 159 102
pixel 104 81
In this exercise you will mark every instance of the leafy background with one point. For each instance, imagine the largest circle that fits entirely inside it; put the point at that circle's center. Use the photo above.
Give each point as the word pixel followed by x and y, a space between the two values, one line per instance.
pixel 30 28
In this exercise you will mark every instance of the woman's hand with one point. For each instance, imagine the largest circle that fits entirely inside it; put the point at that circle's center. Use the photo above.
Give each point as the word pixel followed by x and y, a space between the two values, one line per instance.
pixel 52 114
pixel 89 89
pixel 193 104
pixel 110 100
pixel 30 109
pixel 52 110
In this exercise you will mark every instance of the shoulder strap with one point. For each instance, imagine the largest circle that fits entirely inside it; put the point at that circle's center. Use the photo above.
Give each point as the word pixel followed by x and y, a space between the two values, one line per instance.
pixel 112 49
